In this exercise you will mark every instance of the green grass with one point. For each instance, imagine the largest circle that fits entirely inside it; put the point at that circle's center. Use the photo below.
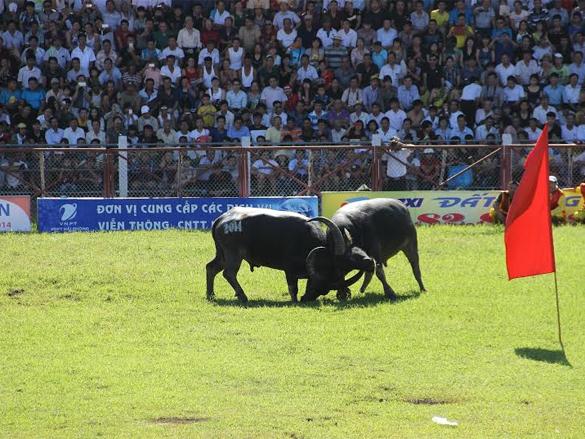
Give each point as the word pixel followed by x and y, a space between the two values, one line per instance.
pixel 110 335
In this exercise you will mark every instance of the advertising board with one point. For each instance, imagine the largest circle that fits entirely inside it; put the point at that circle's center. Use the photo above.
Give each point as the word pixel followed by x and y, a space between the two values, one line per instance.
pixel 109 214
pixel 447 207
pixel 15 213
pixel 426 207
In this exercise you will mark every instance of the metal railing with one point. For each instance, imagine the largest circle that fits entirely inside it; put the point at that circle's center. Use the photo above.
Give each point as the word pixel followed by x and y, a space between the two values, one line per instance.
pixel 209 170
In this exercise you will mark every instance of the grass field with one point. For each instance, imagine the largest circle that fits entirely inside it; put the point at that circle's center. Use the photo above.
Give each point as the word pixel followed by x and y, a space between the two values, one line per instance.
pixel 110 335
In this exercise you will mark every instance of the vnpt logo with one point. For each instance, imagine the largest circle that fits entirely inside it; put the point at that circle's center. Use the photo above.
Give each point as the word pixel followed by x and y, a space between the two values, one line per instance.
pixel 68 211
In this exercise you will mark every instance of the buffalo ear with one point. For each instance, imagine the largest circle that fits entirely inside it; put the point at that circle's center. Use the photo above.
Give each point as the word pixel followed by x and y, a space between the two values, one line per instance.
pixel 319 263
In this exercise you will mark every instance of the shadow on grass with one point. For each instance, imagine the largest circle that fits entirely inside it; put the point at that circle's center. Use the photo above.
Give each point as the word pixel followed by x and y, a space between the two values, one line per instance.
pixel 556 356
pixel 357 301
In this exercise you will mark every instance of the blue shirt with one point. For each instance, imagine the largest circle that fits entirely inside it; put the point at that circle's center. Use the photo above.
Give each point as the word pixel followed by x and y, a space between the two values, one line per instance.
pixel 455 13
pixel 234 133
pixel 33 98
pixel 379 58
pixel 6 94
pixel 555 94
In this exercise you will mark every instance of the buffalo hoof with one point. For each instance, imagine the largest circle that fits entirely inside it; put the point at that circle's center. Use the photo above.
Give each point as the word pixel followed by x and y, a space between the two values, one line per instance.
pixel 343 295
pixel 210 296
pixel 242 298
pixel 390 296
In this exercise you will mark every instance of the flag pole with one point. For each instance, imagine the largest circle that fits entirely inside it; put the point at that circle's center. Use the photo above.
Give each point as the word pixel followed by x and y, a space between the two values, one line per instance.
pixel 558 313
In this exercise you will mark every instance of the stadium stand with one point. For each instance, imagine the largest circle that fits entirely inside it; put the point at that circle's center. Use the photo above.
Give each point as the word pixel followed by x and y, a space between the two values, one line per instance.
pixel 203 73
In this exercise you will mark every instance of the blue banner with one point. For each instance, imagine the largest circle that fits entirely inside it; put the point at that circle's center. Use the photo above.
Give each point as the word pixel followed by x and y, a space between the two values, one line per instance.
pixel 108 214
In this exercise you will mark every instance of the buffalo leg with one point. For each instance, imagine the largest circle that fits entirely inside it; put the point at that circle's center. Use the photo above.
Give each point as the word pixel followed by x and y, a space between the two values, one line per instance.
pixel 213 268
pixel 411 253
pixel 388 291
pixel 293 286
pixel 230 273
pixel 310 294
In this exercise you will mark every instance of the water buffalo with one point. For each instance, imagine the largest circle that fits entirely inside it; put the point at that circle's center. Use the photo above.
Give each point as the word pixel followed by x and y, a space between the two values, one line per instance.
pixel 284 241
pixel 381 227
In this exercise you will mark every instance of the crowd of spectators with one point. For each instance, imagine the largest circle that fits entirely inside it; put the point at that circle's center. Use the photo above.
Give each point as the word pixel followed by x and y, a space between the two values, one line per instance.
pixel 193 72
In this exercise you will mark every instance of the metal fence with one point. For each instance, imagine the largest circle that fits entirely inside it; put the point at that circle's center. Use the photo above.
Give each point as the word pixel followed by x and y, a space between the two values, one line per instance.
pixel 211 170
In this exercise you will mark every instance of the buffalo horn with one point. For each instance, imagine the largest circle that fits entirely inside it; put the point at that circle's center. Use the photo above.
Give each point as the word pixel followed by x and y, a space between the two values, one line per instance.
pixel 352 280
pixel 367 280
pixel 338 241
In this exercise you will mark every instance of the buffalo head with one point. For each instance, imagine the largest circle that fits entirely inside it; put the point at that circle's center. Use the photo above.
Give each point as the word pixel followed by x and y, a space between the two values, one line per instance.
pixel 327 266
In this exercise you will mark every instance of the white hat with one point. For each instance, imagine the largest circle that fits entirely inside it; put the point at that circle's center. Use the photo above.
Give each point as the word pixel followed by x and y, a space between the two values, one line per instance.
pixel 144 109
pixel 428 151
pixel 553 179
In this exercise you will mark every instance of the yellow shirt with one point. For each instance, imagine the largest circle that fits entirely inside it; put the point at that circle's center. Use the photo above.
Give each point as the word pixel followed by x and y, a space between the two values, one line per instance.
pixel 207 113
pixel 441 18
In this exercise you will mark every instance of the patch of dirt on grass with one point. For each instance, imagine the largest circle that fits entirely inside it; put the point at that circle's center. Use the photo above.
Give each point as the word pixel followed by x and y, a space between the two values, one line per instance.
pixel 72 297
pixel 178 420
pixel 428 401
pixel 14 292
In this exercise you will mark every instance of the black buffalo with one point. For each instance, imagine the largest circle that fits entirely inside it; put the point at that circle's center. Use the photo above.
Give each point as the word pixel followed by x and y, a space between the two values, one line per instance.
pixel 284 241
pixel 382 228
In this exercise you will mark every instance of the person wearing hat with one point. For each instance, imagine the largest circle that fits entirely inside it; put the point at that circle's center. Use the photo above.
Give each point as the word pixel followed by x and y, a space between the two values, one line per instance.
pixel 146 118
pixel 335 52
pixel 21 134
pixel 556 195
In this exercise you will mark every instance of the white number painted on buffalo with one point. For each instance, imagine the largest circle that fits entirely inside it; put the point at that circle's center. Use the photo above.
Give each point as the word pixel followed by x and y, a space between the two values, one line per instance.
pixel 232 226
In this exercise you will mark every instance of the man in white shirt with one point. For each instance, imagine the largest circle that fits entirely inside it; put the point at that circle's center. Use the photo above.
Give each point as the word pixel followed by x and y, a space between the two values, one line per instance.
pixel 287 35
pixel 578 67
pixel 348 35
pixel 173 49
pixel 395 115
pixel 541 111
pixel 526 67
pixel 73 133
pixel 396 168
pixel 572 91
pixel 470 99
pixel 392 69
pixel 30 70
pixel 386 132
pixel 170 70
pixel 189 38
pixel 513 92
pixel 220 14
pixel 84 53
pixel 532 130
pixel 505 69
pixel 284 13
pixel 326 34
pixel 54 134
pixel 485 129
pixel 272 93
pixel 569 131
pixel 306 70
pixel 209 51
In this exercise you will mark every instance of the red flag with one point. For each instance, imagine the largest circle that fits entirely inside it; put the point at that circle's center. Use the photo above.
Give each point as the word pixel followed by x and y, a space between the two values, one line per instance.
pixel 528 236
